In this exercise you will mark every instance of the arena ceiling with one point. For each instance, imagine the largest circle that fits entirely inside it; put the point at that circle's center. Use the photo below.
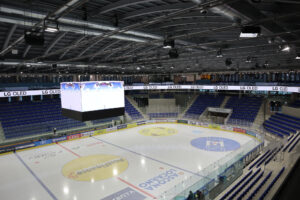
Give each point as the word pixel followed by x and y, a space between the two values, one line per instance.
pixel 127 36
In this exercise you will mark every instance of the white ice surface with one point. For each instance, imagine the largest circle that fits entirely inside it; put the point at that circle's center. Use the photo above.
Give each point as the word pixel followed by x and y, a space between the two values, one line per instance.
pixel 148 157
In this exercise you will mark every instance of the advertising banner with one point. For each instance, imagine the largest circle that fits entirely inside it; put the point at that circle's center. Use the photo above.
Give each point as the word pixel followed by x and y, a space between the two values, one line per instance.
pixel 111 129
pixel 125 194
pixel 160 121
pixel 251 133
pixel 29 93
pixel 43 142
pixel 240 130
pixel 131 125
pixel 54 140
pixel 182 121
pixel 99 132
pixel 192 122
pixel 160 87
pixel 25 146
pixel 122 126
pixel 140 123
pixel 87 133
pixel 215 126
pixel 71 137
pixel 172 120
pixel 205 124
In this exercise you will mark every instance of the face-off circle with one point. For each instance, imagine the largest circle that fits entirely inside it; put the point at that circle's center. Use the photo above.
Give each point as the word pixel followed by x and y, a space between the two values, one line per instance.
pixel 218 144
pixel 158 131
pixel 95 167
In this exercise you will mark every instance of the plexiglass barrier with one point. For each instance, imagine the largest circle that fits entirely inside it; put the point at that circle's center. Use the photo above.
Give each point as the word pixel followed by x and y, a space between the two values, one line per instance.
pixel 211 176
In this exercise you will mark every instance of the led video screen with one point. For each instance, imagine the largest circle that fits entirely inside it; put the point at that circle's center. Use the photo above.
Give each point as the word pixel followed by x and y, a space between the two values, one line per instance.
pixel 93 99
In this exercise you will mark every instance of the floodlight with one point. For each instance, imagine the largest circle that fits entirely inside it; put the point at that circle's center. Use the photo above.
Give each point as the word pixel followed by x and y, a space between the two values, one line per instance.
pixel 250 31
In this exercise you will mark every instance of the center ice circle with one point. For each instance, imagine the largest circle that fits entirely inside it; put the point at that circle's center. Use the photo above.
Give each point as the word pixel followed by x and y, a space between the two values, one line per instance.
pixel 94 167
pixel 215 144
pixel 158 131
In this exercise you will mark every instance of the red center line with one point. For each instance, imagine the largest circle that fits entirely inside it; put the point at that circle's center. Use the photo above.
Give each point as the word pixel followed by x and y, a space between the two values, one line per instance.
pixel 133 186
pixel 68 150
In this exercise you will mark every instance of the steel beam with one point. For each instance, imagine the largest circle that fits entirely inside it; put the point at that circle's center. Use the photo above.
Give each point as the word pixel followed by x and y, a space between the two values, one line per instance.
pixel 157 9
pixel 9 35
pixel 26 51
pixel 121 4
pixel 104 48
pixel 75 42
pixel 53 43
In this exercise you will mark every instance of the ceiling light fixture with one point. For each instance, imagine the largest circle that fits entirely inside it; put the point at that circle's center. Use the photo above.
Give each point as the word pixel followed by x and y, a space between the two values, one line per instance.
pixel 50 26
pixel 219 53
pixel 169 44
pixel 249 59
pixel 250 32
pixel 285 48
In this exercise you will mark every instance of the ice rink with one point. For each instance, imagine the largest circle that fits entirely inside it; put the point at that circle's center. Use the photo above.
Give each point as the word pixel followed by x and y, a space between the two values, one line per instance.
pixel 131 164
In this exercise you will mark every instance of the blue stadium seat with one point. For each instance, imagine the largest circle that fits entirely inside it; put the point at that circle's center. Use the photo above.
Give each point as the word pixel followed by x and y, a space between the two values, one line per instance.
pixel 271 184
pixel 243 109
pixel 201 103
pixel 28 118
pixel 252 195
pixel 131 111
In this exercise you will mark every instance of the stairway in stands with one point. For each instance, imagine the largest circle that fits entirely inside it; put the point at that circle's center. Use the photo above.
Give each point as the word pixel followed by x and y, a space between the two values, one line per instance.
pixel 132 110
pixel 135 105
pixel 260 115
pixel 2 136
pixel 189 104
pixel 226 98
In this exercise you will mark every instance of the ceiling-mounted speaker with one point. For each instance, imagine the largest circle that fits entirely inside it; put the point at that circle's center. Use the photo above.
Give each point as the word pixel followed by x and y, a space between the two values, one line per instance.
pixel 34 38
pixel 228 61
pixel 173 53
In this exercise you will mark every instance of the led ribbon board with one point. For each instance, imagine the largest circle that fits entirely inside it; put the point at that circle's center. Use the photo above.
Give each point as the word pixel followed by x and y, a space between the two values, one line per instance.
pixel 165 87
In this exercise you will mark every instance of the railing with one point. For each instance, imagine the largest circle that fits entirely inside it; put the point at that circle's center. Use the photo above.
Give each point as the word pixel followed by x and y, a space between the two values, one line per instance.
pixel 207 178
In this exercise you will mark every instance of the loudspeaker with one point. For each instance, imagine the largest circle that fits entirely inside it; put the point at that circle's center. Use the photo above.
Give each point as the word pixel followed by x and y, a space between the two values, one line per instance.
pixel 173 53
pixel 34 38
pixel 228 61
